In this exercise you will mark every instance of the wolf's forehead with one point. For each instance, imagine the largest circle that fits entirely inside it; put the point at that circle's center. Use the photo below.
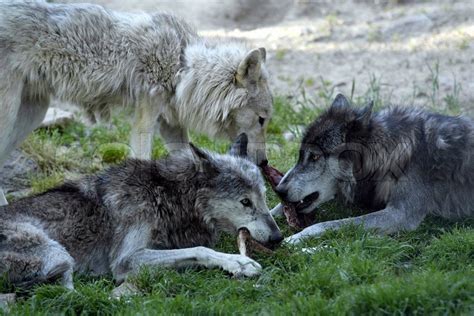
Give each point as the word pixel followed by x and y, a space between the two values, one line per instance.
pixel 323 136
pixel 243 171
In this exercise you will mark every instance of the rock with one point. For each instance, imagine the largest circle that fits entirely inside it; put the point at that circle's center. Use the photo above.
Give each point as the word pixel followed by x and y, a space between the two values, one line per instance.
pixel 289 136
pixel 14 175
pixel 124 290
pixel 408 25
pixel 6 299
pixel 56 116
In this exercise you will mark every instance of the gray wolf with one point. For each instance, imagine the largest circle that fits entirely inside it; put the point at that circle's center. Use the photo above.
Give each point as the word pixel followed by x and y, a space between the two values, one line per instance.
pixel 401 163
pixel 156 63
pixel 140 213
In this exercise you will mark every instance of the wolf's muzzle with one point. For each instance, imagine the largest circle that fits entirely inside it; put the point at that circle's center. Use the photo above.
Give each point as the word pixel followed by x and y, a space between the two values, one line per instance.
pixel 275 239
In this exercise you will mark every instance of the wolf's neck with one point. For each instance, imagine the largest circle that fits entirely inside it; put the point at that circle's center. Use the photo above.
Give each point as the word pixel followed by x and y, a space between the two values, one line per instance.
pixel 388 149
pixel 205 92
pixel 188 228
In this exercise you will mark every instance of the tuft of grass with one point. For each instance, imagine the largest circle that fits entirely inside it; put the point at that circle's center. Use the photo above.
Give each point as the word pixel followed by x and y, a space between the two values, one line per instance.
pixel 374 34
pixel 44 182
pixel 114 152
pixel 434 78
pixel 451 250
pixel 453 104
pixel 280 54
pixel 465 41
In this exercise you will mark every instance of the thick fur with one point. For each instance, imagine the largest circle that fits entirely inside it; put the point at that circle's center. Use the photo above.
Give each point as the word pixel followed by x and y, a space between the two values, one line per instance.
pixel 403 163
pixel 161 213
pixel 155 63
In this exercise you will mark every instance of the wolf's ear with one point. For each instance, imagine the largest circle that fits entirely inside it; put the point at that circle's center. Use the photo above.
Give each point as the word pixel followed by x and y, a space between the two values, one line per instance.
pixel 249 68
pixel 263 52
pixel 239 147
pixel 205 163
pixel 365 114
pixel 340 102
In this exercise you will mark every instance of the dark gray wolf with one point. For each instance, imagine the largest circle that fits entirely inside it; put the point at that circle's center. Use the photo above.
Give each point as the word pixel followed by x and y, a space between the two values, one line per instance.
pixel 403 163
pixel 155 63
pixel 141 213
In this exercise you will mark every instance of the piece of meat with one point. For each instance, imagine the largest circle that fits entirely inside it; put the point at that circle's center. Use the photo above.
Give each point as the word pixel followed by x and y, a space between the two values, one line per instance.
pixel 292 217
pixel 248 245
pixel 272 175
pixel 295 220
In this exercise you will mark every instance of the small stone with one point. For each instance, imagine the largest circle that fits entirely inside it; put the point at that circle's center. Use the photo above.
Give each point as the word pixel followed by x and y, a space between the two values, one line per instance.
pixel 56 116
pixel 6 299
pixel 124 290
pixel 289 136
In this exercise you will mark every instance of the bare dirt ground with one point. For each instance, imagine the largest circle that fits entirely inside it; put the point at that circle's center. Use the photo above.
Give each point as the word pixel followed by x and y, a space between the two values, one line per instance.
pixel 412 51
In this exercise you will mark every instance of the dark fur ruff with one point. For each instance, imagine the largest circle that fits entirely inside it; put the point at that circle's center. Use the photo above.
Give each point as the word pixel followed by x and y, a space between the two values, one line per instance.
pixel 399 156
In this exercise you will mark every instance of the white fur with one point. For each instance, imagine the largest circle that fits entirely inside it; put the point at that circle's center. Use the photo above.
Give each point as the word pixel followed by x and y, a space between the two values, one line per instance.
pixel 156 63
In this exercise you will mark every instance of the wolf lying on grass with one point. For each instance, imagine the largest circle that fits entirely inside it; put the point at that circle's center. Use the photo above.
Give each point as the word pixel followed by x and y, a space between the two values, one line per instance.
pixel 141 213
pixel 155 63
pixel 404 163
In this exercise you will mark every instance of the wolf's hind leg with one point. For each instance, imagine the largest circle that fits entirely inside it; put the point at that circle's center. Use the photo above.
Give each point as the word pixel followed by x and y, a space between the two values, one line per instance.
pixel 57 263
pixel 174 137
pixel 28 256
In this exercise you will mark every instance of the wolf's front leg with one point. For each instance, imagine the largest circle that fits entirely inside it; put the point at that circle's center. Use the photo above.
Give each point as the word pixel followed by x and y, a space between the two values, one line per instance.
pixel 237 265
pixel 386 221
pixel 144 121
pixel 174 136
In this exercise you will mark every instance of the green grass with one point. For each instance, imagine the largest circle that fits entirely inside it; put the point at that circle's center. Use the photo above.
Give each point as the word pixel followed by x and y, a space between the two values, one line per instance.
pixel 352 271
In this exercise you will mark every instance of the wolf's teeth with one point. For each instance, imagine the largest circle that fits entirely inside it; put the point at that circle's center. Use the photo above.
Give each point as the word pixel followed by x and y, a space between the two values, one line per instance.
pixel 301 202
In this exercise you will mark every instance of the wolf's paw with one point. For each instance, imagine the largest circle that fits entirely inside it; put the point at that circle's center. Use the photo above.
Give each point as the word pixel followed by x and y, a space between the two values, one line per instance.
pixel 311 231
pixel 292 240
pixel 242 266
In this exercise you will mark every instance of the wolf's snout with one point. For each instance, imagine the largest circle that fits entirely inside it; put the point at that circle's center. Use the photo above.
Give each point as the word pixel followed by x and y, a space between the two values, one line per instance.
pixel 276 238
pixel 260 156
pixel 282 192
pixel 257 153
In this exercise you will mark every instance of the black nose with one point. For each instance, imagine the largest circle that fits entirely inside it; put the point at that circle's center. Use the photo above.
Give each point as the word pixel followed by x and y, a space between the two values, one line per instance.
pixel 282 192
pixel 276 238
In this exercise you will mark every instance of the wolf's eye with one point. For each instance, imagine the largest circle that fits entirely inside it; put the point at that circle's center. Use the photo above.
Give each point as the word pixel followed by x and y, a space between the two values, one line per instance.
pixel 261 120
pixel 314 157
pixel 246 202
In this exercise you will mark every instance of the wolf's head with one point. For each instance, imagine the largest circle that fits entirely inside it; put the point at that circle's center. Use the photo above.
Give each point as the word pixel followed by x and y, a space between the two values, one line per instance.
pixel 328 155
pixel 237 197
pixel 223 91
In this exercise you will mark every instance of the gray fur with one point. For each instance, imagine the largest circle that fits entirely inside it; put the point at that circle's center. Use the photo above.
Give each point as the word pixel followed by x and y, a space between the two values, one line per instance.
pixel 160 213
pixel 402 163
pixel 155 63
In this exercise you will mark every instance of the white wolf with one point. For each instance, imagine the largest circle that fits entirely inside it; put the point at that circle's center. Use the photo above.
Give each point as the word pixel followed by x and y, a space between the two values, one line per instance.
pixel 156 63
